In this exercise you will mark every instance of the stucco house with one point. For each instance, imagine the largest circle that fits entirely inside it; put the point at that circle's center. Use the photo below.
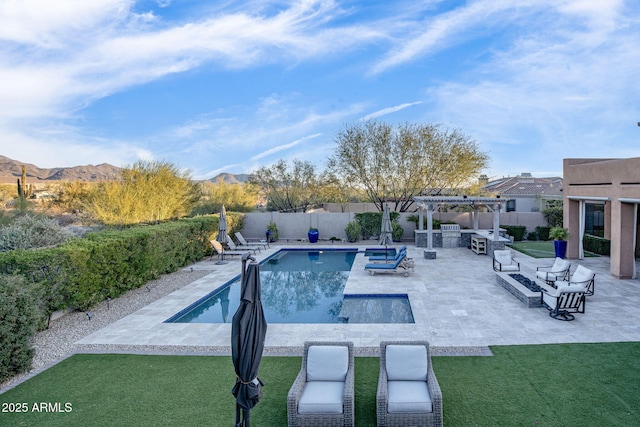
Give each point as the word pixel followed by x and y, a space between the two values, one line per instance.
pixel 525 193
pixel 610 189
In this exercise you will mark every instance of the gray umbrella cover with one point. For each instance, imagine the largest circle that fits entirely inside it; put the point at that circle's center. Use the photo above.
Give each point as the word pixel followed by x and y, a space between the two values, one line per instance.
pixel 248 331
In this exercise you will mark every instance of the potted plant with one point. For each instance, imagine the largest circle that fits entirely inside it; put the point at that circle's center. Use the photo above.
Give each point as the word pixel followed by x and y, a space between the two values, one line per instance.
pixel 272 232
pixel 313 235
pixel 559 236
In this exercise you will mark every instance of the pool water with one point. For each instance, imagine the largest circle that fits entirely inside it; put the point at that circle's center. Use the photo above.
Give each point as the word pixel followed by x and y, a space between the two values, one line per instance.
pixel 299 286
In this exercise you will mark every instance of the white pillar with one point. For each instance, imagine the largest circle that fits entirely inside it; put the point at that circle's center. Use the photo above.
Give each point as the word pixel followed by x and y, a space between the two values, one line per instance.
pixel 496 221
pixel 430 227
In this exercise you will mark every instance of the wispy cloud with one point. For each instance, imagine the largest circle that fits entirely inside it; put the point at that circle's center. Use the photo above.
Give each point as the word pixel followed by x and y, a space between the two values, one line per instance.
pixel 283 147
pixel 389 110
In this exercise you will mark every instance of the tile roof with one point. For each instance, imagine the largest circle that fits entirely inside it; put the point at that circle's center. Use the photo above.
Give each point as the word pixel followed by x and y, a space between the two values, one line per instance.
pixel 526 185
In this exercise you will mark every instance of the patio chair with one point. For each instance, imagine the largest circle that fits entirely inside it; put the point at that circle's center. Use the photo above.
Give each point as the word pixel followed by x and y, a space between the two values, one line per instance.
pixel 217 246
pixel 244 242
pixel 233 247
pixel 322 393
pixel 402 265
pixel 503 261
pixel 564 300
pixel 408 391
pixel 581 277
pixel 558 271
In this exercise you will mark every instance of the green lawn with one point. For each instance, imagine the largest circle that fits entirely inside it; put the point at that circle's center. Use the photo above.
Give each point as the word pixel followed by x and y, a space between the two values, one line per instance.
pixel 539 249
pixel 553 385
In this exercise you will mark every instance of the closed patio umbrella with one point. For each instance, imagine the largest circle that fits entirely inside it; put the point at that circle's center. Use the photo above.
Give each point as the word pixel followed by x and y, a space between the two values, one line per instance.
pixel 248 331
pixel 222 233
pixel 386 238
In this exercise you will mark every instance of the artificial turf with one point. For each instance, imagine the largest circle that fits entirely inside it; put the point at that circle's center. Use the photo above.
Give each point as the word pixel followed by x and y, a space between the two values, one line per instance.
pixel 554 385
pixel 539 249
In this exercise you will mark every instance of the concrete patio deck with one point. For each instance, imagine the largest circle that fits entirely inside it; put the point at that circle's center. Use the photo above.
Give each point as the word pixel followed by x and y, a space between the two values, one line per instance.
pixel 455 299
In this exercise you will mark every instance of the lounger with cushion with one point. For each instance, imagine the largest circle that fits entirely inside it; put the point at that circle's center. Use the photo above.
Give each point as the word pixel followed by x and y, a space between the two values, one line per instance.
pixel 402 265
pixel 374 258
pixel 408 391
pixel 322 393
pixel 558 271
pixel 503 261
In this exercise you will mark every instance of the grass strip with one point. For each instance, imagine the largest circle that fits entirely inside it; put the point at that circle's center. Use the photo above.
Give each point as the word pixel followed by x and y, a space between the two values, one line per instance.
pixel 538 249
pixel 558 384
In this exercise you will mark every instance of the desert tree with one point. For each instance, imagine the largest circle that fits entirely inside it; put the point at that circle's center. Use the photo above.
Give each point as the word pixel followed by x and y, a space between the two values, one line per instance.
pixel 288 187
pixel 236 197
pixel 148 191
pixel 396 163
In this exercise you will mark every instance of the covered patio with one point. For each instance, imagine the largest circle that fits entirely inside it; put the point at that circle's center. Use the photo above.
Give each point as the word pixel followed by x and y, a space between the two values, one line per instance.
pixel 490 237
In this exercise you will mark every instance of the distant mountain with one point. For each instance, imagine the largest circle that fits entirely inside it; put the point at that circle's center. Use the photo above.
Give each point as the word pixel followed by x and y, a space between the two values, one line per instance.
pixel 231 178
pixel 11 169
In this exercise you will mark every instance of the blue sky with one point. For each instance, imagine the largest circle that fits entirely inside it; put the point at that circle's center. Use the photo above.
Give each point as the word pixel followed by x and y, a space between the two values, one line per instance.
pixel 228 86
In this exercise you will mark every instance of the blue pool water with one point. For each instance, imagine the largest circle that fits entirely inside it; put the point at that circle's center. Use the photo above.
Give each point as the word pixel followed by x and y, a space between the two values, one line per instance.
pixel 298 286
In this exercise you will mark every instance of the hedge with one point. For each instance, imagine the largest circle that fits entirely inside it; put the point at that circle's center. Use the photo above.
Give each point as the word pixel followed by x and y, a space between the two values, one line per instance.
pixel 517 231
pixel 84 272
pixel 597 245
pixel 19 317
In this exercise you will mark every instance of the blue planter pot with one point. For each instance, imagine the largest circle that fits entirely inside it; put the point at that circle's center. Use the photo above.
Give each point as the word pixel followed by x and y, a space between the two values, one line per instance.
pixel 561 248
pixel 313 236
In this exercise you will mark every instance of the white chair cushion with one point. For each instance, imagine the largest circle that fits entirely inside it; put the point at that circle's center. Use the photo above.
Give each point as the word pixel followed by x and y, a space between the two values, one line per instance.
pixel 508 267
pixel 406 363
pixel 503 257
pixel 545 275
pixel 321 397
pixel 327 363
pixel 550 299
pixel 408 396
pixel 582 274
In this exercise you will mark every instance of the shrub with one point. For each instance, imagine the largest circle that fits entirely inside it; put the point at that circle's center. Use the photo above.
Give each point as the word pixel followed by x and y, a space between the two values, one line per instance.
pixel 396 232
pixel 370 222
pixel 416 218
pixel 353 231
pixel 31 231
pixel 19 316
pixel 597 245
pixel 553 216
pixel 543 232
pixel 517 231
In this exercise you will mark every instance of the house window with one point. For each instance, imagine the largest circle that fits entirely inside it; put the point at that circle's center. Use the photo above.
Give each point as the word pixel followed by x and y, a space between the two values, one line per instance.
pixel 594 219
pixel 511 205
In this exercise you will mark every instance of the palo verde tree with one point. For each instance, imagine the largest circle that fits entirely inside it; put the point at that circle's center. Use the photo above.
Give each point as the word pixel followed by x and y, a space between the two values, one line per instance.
pixel 399 162
pixel 149 191
pixel 288 187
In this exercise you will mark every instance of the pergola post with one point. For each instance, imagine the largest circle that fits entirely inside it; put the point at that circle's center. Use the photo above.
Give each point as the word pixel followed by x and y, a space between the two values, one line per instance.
pixel 429 227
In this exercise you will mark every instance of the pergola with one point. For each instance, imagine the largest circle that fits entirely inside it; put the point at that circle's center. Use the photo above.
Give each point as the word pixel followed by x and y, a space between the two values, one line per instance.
pixel 432 204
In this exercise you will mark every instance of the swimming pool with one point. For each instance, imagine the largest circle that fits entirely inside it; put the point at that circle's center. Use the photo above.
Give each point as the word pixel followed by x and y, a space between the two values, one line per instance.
pixel 298 286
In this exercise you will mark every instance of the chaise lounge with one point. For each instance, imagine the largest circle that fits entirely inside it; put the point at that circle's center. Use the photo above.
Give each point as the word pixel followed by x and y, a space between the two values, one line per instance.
pixel 402 265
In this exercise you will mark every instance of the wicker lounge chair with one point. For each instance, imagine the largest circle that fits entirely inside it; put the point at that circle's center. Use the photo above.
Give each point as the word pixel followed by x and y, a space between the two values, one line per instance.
pixel 503 261
pixel 558 271
pixel 408 391
pixel 322 393
pixel 244 242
